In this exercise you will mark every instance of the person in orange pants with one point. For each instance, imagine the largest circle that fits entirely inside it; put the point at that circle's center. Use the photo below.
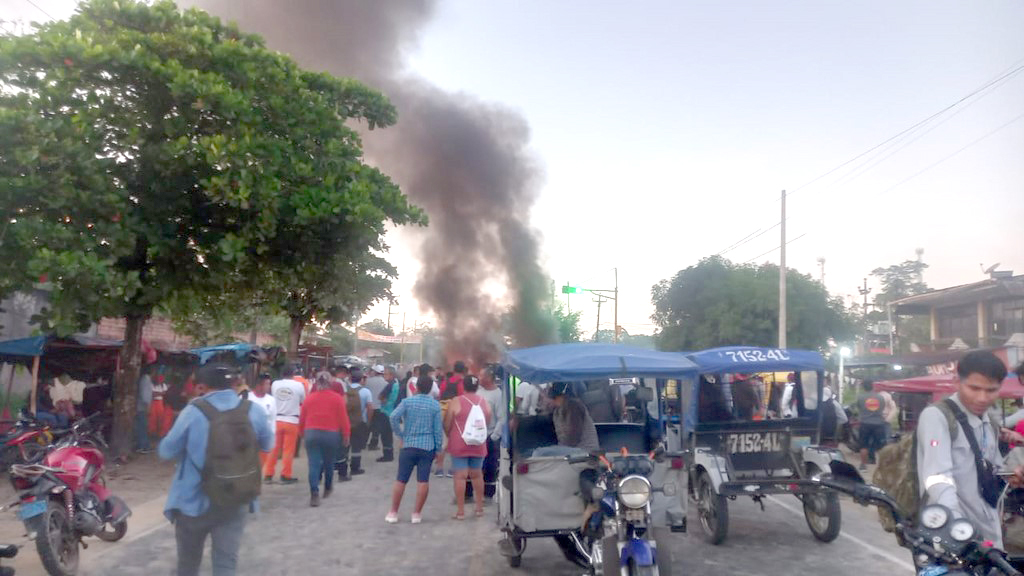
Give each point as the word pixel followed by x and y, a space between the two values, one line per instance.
pixel 161 417
pixel 289 395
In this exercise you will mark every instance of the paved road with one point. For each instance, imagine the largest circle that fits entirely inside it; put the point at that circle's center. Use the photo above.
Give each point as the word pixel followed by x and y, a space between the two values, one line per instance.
pixel 347 535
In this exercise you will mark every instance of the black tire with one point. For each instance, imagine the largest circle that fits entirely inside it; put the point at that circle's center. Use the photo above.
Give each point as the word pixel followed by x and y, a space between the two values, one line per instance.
pixel 56 541
pixel 713 510
pixel 515 561
pixel 113 532
pixel 823 514
pixel 517 544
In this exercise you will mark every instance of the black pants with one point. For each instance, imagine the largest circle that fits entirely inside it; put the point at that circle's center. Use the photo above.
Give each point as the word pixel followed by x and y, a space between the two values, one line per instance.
pixel 490 470
pixel 382 427
pixel 360 434
pixel 872 437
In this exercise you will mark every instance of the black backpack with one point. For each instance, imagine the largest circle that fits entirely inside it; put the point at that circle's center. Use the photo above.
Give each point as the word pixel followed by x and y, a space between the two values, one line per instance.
pixel 231 474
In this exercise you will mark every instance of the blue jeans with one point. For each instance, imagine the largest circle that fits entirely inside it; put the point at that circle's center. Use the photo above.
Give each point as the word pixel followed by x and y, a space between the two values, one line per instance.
pixel 141 430
pixel 322 447
pixel 55 420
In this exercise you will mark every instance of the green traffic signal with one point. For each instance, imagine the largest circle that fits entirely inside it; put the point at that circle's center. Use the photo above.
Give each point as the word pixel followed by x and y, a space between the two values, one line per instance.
pixel 572 289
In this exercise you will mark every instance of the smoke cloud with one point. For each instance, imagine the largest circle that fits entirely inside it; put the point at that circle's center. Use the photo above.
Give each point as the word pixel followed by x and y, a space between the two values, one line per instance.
pixel 462 160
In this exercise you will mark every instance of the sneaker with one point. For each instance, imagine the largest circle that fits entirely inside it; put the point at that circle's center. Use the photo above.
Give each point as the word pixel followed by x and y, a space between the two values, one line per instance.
pixel 448 474
pixel 314 499
pixel 327 492
pixel 416 518
pixel 391 518
pixel 385 459
pixel 287 480
pixel 344 478
pixel 357 472
pixel 268 479
pixel 438 474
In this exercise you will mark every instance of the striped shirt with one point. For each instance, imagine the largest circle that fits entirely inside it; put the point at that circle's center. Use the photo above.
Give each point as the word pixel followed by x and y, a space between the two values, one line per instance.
pixel 417 421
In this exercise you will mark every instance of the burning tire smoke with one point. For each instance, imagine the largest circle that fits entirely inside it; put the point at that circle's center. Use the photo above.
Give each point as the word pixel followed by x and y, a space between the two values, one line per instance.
pixel 462 160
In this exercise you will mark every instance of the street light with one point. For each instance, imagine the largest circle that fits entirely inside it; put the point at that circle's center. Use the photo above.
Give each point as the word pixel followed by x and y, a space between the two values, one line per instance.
pixel 844 352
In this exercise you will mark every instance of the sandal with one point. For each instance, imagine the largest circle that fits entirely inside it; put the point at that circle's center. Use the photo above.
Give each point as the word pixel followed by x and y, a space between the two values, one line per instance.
pixel 479 513
pixel 458 516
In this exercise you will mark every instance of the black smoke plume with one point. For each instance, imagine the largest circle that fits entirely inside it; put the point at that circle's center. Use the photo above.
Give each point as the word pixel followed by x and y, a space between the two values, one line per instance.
pixel 464 161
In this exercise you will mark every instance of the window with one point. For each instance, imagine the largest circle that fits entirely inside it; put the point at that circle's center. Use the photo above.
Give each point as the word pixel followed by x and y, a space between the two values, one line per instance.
pixel 1006 318
pixel 959 322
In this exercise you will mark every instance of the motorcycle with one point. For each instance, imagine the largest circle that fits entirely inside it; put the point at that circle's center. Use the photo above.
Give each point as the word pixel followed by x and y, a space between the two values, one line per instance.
pixel 7 551
pixel 940 543
pixel 618 536
pixel 26 442
pixel 64 499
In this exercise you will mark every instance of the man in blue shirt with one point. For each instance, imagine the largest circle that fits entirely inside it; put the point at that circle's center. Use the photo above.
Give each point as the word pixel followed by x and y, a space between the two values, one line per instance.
pixel 188 507
pixel 417 421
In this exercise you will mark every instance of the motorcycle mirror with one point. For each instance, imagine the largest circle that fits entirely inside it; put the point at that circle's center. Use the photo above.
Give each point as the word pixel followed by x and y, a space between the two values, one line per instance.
pixel 844 471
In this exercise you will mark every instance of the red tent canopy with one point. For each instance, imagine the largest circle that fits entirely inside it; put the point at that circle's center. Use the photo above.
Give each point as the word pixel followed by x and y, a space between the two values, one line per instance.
pixel 943 385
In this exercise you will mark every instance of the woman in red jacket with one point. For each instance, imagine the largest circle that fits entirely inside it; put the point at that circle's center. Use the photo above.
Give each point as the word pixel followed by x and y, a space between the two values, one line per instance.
pixel 324 423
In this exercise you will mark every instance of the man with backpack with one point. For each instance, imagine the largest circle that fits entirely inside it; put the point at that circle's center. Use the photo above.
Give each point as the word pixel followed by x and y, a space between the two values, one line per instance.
pixel 958 446
pixel 359 403
pixel 216 440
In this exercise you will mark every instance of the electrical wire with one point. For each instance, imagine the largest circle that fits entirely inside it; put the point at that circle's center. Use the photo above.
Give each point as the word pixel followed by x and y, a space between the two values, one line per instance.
pixel 37 7
pixel 990 85
pixel 788 242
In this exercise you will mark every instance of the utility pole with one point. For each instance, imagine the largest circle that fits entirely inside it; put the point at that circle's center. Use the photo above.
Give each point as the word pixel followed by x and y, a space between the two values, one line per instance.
pixel 782 278
pixel 615 337
pixel 599 300
pixel 390 314
pixel 864 292
pixel 821 264
pixel 401 351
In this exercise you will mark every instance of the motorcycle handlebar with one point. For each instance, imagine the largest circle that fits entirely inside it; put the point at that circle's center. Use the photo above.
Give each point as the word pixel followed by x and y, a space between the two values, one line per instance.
pixel 997 560
pixel 864 493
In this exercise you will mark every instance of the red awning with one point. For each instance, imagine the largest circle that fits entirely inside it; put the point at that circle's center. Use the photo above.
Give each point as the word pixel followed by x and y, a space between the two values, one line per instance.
pixel 943 385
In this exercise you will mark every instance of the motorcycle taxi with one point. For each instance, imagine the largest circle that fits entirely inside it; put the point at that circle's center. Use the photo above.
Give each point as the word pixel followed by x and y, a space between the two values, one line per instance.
pixel 611 512
pixel 743 433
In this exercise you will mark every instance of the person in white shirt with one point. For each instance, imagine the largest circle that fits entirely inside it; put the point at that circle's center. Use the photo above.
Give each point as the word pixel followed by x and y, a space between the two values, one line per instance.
pixel 527 396
pixel 288 394
pixel 261 395
pixel 428 370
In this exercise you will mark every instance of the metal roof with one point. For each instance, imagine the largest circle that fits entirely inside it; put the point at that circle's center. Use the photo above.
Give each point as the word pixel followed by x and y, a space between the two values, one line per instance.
pixel 991 289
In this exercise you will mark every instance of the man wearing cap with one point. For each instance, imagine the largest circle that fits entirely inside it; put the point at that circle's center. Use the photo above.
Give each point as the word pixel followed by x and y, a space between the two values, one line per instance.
pixel 376 384
pixel 188 506
pixel 573 425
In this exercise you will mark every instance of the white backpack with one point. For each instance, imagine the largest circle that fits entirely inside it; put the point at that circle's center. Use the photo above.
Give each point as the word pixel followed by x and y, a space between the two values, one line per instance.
pixel 475 433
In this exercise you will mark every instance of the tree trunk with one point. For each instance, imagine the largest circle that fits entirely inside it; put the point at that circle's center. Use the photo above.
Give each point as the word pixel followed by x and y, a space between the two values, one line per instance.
pixel 294 334
pixel 125 386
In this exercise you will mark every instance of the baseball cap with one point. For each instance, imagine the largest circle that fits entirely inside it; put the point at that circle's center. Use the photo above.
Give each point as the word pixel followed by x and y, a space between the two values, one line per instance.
pixel 558 389
pixel 379 369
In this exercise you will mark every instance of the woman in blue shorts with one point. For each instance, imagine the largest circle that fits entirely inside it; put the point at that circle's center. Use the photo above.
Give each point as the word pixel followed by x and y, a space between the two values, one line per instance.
pixel 417 421
pixel 467 460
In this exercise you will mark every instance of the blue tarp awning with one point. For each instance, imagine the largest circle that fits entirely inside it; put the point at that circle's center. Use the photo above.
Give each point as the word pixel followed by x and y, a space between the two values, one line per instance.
pixel 743 359
pixel 24 347
pixel 240 349
pixel 583 361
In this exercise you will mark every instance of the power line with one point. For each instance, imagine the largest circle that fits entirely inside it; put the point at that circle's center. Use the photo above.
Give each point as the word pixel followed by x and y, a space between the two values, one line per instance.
pixel 37 7
pixel 776 248
pixel 1000 78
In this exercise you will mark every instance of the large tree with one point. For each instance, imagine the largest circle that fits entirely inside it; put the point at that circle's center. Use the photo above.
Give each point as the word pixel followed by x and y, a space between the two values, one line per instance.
pixel 900 281
pixel 151 155
pixel 718 303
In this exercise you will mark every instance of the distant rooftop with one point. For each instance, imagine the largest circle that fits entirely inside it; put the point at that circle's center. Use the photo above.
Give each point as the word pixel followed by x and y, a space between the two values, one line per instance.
pixel 998 287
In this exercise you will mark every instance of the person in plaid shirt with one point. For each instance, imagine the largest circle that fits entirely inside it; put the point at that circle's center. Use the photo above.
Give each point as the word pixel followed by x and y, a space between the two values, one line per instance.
pixel 417 422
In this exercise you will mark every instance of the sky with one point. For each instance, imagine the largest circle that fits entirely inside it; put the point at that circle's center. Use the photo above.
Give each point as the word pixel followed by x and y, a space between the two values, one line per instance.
pixel 667 130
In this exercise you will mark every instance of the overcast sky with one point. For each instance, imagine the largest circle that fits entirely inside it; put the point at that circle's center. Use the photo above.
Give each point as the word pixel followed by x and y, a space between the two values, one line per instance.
pixel 667 129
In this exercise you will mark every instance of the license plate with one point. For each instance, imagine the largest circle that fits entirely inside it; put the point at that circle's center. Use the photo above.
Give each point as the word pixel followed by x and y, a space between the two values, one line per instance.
pixel 31 509
pixel 753 442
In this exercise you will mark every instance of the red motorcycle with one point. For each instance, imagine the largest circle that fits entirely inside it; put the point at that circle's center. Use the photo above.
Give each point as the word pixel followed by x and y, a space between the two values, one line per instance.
pixel 26 442
pixel 64 499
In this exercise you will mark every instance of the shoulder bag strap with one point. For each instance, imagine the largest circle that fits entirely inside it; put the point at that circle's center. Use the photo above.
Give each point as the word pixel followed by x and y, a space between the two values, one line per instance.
pixel 968 431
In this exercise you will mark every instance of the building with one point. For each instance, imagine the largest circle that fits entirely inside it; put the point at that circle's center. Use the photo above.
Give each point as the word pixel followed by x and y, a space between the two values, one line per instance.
pixel 984 314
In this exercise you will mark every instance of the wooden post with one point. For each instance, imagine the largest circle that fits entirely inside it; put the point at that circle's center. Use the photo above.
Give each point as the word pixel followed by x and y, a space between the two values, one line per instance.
pixel 10 384
pixel 35 384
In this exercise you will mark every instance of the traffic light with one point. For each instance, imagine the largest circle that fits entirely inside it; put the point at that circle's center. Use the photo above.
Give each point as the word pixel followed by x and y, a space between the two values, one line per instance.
pixel 572 289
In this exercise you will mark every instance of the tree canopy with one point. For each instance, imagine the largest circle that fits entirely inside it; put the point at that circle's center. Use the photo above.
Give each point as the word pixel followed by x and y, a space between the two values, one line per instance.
pixel 718 303
pixel 152 156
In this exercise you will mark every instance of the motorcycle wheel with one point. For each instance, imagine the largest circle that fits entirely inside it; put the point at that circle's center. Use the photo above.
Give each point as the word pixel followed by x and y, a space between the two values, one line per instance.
pixel 56 541
pixel 713 510
pixel 825 525
pixel 113 532
pixel 519 546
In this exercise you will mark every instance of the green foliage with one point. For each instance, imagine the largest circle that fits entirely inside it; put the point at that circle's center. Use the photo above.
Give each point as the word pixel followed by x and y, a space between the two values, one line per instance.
pixel 718 303
pixel 568 324
pixel 377 326
pixel 153 156
pixel 900 281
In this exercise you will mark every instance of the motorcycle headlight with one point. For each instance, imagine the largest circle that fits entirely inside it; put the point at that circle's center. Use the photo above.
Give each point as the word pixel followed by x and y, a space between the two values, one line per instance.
pixel 634 491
